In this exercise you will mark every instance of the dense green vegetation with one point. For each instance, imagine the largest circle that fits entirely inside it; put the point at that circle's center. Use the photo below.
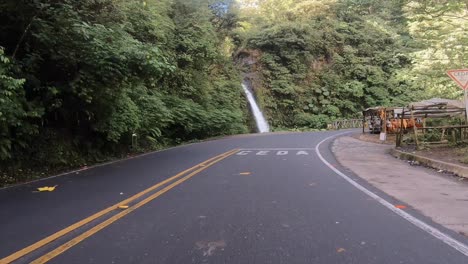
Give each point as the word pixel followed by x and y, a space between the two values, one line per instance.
pixel 328 59
pixel 85 81
pixel 79 78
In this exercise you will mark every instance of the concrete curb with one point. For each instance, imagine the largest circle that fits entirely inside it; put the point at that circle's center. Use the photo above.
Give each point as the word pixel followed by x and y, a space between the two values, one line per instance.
pixel 436 164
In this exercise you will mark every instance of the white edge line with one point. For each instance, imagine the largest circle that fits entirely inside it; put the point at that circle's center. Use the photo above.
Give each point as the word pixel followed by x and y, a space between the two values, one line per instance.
pixel 457 245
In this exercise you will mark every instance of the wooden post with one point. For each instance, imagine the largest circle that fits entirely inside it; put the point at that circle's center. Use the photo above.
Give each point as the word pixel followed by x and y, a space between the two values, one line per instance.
pixel 461 137
pixel 461 131
pixel 415 130
pixel 363 124
pixel 385 121
pixel 465 97
pixel 401 132
pixel 466 117
pixel 424 125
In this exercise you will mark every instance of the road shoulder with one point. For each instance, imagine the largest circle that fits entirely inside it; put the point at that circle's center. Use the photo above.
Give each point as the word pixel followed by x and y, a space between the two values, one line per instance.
pixel 440 197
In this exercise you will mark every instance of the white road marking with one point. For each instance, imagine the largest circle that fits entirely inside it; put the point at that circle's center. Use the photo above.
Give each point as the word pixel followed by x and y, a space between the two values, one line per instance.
pixel 243 153
pixel 276 149
pixel 457 245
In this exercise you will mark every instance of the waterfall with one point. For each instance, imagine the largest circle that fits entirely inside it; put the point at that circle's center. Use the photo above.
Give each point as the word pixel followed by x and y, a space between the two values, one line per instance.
pixel 262 124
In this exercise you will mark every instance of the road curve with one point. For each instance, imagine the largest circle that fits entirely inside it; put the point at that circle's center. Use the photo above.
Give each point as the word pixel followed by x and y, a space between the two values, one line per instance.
pixel 269 198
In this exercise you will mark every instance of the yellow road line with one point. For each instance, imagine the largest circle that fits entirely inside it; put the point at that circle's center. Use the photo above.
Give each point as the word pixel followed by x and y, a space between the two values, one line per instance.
pixel 55 236
pixel 59 250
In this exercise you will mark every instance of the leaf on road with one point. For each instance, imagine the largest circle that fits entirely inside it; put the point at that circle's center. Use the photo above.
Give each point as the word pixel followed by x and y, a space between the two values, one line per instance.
pixel 245 173
pixel 340 250
pixel 47 189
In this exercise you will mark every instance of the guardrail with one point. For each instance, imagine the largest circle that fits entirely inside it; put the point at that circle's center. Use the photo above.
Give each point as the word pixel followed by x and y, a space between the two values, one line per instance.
pixel 343 124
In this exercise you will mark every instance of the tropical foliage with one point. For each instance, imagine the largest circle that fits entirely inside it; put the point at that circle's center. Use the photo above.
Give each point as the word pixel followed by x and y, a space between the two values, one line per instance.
pixel 328 59
pixel 84 81
pixel 79 79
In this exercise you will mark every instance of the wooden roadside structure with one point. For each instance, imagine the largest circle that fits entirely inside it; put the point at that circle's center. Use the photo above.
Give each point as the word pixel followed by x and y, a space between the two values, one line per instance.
pixel 433 108
pixel 378 119
pixel 372 120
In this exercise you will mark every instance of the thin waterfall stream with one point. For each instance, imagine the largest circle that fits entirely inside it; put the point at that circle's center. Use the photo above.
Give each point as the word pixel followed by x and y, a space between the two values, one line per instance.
pixel 262 124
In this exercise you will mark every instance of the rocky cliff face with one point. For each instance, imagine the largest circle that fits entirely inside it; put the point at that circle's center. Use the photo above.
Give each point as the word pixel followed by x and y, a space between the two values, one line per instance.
pixel 248 60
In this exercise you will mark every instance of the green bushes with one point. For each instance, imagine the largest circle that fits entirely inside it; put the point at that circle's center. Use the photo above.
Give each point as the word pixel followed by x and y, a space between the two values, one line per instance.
pixel 328 60
pixel 16 113
pixel 80 78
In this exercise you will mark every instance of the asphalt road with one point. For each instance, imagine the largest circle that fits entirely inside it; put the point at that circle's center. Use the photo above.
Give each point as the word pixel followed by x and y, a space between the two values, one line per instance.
pixel 267 199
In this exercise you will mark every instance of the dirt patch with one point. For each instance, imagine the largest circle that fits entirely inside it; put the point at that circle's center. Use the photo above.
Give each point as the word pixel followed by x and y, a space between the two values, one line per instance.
pixel 452 155
pixel 375 138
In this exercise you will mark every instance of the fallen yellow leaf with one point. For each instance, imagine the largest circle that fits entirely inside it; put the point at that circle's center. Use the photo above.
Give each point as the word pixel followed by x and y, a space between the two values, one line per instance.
pixel 47 188
pixel 340 250
pixel 245 173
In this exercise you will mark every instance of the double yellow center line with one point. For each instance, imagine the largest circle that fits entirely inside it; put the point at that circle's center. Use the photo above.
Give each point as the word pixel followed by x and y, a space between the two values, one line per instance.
pixel 176 180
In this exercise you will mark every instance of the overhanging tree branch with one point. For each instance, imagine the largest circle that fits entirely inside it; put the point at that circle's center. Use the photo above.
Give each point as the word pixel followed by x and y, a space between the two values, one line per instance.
pixel 26 30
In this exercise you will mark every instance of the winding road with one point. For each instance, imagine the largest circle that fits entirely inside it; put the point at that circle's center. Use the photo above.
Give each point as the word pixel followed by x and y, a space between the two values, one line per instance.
pixel 261 198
